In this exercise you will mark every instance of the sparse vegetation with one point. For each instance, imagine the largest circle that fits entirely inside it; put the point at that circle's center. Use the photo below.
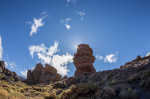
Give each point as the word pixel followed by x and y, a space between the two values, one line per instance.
pixel 108 93
pixel 134 78
pixel 146 75
pixel 59 84
pixel 81 90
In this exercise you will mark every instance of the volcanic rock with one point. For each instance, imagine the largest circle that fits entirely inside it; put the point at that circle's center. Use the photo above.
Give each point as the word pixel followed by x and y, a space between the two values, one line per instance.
pixel 6 74
pixel 71 81
pixel 43 75
pixel 2 66
pixel 84 60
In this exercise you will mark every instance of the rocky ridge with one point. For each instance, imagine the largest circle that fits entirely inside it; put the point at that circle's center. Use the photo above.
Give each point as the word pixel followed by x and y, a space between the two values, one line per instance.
pixel 8 75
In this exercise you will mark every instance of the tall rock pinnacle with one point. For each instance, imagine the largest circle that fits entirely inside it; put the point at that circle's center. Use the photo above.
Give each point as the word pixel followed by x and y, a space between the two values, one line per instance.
pixel 83 60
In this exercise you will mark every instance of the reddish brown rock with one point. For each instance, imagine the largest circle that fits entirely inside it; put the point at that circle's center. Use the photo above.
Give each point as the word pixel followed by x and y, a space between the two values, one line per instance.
pixel 37 72
pixel 84 60
pixel 49 74
pixel 42 75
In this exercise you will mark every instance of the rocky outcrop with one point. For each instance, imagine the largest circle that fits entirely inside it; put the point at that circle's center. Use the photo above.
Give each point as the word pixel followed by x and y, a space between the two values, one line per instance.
pixel 43 75
pixel 6 74
pixel 136 62
pixel 83 60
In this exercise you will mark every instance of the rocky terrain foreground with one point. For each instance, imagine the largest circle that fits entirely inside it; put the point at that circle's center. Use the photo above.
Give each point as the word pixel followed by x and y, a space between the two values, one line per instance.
pixel 130 81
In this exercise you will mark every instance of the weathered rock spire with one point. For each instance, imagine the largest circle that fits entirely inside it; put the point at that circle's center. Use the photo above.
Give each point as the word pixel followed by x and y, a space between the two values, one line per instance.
pixel 83 60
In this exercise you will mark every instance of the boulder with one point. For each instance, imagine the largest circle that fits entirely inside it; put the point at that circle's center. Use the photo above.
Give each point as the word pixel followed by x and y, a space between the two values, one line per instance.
pixel 83 60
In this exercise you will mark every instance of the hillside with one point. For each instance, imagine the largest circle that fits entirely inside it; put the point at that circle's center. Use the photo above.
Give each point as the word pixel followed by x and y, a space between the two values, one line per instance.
pixel 130 81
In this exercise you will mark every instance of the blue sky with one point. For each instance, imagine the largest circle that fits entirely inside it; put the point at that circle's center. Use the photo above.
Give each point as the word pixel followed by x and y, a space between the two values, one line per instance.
pixel 48 31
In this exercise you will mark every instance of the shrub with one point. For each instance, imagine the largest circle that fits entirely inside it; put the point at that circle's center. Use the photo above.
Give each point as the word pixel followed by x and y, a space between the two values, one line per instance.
pixel 108 93
pixel 135 94
pixel 134 78
pixel 80 90
pixel 146 75
pixel 59 84
pixel 37 88
pixel 51 96
pixel 142 83
pixel 3 93
pixel 125 94
pixel 147 84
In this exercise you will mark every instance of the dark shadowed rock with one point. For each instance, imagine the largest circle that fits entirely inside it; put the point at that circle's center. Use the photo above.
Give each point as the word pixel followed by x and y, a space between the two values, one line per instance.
pixel 84 60
pixel 6 74
pixel 2 66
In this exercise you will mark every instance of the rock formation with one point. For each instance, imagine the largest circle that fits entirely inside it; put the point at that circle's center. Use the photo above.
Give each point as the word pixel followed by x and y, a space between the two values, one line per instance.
pixel 6 74
pixel 83 60
pixel 42 75
pixel 136 62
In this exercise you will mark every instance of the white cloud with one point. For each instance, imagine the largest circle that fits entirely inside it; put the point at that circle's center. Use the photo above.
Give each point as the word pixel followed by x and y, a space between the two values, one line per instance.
pixel 74 1
pixel 1 48
pixel 68 26
pixel 99 57
pixel 60 63
pixel 82 14
pixel 44 13
pixel 24 73
pixel 47 56
pixel 68 19
pixel 37 23
pixel 52 49
pixel 66 23
pixel 12 65
pixel 148 54
pixel 111 58
pixel 39 48
pixel 6 64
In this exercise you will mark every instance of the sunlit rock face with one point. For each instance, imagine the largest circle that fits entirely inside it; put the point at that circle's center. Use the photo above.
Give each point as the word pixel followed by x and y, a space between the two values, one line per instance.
pixel 43 75
pixel 83 60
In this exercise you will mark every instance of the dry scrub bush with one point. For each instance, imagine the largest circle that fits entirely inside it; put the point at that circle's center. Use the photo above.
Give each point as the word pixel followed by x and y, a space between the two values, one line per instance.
pixel 80 91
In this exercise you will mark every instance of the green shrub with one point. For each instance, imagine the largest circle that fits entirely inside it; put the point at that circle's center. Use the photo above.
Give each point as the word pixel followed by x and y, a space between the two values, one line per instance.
pixel 135 94
pixel 146 75
pixel 80 90
pixel 52 95
pixel 108 93
pixel 142 83
pixel 59 84
pixel 134 78
pixel 125 94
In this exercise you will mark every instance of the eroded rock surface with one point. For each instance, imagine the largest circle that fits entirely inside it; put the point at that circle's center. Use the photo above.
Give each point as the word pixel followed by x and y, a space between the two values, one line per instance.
pixel 43 75
pixel 83 60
